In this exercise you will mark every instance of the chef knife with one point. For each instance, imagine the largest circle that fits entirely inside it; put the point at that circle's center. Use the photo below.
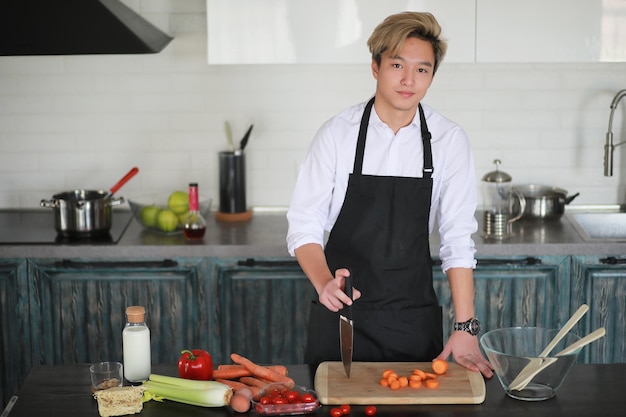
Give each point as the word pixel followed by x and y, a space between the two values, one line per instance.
pixel 346 330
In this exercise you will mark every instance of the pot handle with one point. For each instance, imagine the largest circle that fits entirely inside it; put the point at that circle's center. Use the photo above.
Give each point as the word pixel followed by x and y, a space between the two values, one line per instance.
pixel 570 198
pixel 48 203
pixel 117 201
pixel 522 205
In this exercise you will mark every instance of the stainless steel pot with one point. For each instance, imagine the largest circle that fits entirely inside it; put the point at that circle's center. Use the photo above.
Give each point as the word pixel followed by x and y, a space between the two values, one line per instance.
pixel 544 202
pixel 82 213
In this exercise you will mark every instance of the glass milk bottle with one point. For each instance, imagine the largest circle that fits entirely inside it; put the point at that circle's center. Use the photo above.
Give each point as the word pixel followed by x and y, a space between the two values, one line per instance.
pixel 136 344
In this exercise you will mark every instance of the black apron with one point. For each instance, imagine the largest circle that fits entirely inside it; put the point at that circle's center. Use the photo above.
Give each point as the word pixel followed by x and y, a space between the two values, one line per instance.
pixel 381 236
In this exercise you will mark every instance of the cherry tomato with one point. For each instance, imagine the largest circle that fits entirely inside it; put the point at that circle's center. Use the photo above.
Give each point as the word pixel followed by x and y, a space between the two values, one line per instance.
pixel 307 398
pixel 370 410
pixel 345 409
pixel 259 408
pixel 279 400
pixel 274 393
pixel 335 412
pixel 265 400
pixel 292 396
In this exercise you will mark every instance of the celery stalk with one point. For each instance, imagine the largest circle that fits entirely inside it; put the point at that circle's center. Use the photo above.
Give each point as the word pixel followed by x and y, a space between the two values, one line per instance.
pixel 187 391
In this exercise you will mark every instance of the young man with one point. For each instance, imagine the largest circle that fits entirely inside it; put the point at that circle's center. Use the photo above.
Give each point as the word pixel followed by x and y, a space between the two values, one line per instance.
pixel 376 176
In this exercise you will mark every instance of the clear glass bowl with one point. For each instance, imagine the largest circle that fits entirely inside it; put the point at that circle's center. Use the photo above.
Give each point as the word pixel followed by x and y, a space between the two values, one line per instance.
pixel 511 349
pixel 147 209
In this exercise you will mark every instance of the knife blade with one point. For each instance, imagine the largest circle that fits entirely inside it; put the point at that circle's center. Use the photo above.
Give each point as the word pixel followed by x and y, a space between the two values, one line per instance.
pixel 346 330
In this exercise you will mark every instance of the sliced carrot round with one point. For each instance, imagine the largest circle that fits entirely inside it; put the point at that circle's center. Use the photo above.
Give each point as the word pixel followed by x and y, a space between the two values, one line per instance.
pixel 440 366
pixel 420 373
pixel 415 383
pixel 431 383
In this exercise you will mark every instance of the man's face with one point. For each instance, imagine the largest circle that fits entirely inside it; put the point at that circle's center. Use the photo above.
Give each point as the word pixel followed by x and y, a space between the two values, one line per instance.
pixel 402 80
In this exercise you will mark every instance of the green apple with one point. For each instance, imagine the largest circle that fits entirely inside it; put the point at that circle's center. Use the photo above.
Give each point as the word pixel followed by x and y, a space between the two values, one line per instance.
pixel 182 217
pixel 167 220
pixel 178 202
pixel 148 216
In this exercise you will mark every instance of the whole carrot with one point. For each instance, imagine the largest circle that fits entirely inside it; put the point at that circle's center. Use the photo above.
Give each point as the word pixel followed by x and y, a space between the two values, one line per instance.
pixel 254 382
pixel 262 372
pixel 281 369
pixel 237 385
pixel 230 373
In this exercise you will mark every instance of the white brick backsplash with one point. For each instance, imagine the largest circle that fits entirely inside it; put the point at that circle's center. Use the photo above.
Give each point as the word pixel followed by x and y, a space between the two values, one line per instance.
pixel 83 121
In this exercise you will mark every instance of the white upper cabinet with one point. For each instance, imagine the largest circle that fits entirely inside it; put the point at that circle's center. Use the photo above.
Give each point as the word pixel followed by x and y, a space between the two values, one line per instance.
pixel 322 31
pixel 550 31
pixel 336 31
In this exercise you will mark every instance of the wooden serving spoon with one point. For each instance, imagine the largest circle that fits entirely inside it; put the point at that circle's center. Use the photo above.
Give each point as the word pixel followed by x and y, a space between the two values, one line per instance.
pixel 531 373
pixel 537 362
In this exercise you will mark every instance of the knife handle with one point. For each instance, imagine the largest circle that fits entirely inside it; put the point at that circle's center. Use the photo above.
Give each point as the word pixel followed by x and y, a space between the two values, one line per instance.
pixel 348 287
pixel 348 290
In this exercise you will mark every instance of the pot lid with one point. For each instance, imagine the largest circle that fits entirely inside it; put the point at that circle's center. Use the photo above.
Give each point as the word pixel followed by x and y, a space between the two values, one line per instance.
pixel 497 175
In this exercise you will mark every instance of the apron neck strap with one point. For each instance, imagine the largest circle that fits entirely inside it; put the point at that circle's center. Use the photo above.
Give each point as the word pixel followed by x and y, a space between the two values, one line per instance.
pixel 360 147
pixel 426 136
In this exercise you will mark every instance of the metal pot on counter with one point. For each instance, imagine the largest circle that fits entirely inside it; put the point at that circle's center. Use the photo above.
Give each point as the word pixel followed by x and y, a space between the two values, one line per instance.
pixel 82 213
pixel 544 202
pixel 86 213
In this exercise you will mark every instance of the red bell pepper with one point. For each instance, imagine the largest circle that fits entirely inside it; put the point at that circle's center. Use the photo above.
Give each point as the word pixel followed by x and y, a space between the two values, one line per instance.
pixel 195 364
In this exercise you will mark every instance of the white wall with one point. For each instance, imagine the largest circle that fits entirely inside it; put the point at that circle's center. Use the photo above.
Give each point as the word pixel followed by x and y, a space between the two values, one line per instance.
pixel 71 122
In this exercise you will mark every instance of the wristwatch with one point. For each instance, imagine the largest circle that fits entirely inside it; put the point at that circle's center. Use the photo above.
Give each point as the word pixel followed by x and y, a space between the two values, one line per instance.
pixel 472 326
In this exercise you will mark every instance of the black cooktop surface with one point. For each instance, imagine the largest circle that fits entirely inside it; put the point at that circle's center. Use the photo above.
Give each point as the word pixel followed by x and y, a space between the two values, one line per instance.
pixel 36 227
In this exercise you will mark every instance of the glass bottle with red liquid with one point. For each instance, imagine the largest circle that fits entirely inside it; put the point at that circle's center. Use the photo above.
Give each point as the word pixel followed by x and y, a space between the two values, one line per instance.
pixel 194 224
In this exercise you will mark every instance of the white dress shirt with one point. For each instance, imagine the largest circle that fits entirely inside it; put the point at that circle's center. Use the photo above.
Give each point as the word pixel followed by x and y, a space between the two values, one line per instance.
pixel 323 178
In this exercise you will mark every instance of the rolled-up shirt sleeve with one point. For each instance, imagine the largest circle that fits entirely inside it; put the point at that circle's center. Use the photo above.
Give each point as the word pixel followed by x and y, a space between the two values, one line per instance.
pixel 455 201
pixel 310 206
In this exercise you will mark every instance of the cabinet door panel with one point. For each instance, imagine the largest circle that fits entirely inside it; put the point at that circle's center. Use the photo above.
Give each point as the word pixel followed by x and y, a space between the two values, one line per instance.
pixel 512 292
pixel 15 357
pixel 280 32
pixel 264 312
pixel 78 309
pixel 589 31
pixel 602 286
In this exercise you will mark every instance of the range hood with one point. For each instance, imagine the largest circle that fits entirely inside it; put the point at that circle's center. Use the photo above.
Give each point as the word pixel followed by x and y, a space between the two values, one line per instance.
pixel 75 27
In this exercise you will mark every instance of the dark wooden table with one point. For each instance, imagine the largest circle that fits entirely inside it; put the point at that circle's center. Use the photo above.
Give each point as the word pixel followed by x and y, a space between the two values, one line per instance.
pixel 590 390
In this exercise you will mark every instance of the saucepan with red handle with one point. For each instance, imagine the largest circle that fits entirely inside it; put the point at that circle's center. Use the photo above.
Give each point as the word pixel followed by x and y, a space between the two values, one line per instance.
pixel 86 213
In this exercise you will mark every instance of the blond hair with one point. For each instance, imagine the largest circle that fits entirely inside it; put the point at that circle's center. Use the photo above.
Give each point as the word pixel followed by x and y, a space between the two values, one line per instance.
pixel 390 35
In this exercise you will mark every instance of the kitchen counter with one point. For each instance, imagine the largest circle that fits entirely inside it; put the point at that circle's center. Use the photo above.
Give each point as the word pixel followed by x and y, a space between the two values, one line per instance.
pixel 589 390
pixel 264 236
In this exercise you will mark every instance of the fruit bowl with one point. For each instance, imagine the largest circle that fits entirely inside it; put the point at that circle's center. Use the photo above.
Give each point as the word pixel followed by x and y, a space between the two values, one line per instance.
pixel 513 349
pixel 164 212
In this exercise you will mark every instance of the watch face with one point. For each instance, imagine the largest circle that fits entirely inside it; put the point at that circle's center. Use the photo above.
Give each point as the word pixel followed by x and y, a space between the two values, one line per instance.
pixel 474 326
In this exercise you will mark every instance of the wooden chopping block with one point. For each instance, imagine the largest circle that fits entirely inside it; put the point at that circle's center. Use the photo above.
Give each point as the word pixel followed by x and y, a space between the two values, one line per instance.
pixel 457 386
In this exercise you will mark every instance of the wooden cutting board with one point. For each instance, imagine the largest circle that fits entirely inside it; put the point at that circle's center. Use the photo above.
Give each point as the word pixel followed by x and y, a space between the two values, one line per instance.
pixel 456 386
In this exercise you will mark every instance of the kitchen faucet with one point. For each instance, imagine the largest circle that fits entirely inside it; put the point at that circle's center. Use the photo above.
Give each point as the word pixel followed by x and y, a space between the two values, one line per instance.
pixel 609 147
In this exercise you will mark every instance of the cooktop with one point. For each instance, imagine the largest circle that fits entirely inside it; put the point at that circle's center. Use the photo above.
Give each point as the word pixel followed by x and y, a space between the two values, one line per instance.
pixel 36 227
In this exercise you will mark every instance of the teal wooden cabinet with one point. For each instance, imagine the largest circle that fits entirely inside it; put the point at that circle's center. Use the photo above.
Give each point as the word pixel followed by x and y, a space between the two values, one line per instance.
pixel 265 303
pixel 77 308
pixel 513 291
pixel 600 282
pixel 15 349
pixel 264 309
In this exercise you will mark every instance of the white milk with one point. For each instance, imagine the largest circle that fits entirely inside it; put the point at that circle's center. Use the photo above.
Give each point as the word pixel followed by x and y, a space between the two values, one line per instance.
pixel 136 346
pixel 136 341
